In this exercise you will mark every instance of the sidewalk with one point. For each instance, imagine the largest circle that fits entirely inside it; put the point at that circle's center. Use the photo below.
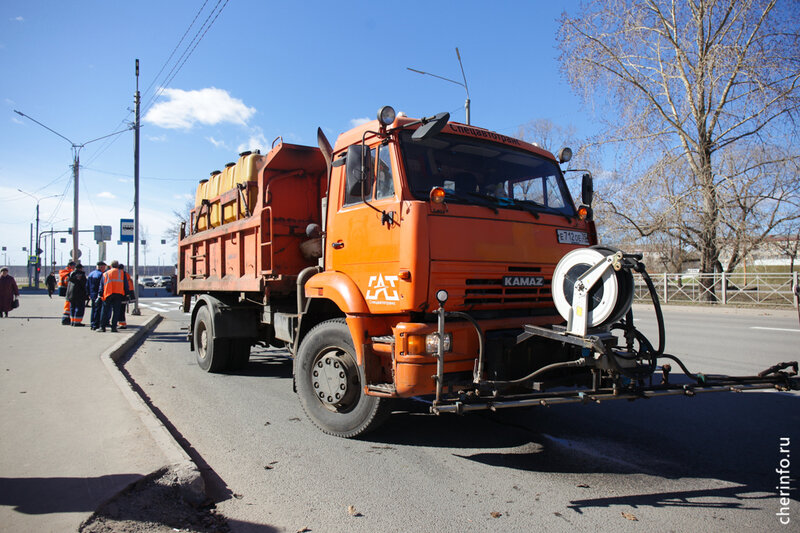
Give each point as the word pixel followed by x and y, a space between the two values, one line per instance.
pixel 70 439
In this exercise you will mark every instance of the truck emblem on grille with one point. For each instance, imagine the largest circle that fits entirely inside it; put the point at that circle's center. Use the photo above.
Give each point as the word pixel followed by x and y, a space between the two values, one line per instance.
pixel 523 281
pixel 382 285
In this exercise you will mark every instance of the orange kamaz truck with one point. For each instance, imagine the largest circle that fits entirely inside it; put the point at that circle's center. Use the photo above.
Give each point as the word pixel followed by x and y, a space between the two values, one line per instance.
pixel 418 258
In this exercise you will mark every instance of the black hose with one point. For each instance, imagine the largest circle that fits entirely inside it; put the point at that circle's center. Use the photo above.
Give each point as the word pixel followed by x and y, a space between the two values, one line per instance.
pixel 639 267
pixel 546 368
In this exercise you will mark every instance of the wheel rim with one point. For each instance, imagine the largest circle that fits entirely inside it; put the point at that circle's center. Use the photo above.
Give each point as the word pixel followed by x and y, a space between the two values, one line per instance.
pixel 202 345
pixel 334 378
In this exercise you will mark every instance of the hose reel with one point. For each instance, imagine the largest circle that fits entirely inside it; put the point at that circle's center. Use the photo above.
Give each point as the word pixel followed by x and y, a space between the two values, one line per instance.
pixel 592 289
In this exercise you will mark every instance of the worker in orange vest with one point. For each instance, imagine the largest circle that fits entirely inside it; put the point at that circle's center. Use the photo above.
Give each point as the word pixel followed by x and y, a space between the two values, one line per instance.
pixel 130 295
pixel 63 278
pixel 113 287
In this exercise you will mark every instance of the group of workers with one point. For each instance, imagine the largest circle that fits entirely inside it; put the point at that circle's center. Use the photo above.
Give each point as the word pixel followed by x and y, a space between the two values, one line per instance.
pixel 107 288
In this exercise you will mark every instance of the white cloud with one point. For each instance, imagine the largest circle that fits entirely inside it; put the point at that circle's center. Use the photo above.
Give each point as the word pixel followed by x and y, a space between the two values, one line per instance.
pixel 18 19
pixel 208 106
pixel 257 141
pixel 358 121
pixel 106 194
pixel 218 144
pixel 156 138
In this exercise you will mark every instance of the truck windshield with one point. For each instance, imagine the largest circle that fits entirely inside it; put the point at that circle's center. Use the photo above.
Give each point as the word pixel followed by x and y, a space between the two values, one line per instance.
pixel 484 173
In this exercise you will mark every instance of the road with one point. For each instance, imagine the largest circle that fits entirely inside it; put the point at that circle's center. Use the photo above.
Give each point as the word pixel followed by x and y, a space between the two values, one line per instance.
pixel 671 464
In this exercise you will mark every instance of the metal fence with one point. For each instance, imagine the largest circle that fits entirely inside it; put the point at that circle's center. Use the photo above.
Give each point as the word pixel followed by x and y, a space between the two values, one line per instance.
pixel 768 290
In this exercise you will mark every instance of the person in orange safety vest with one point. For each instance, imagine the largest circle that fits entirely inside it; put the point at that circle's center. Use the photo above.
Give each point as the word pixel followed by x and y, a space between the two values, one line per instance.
pixel 63 278
pixel 113 287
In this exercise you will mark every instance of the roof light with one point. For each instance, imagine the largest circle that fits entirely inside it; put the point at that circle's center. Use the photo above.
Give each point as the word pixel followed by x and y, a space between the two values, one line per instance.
pixel 386 115
pixel 564 155
pixel 437 195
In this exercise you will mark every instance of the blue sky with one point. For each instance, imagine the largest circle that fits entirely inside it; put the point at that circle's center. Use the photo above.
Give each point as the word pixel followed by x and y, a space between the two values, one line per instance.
pixel 264 69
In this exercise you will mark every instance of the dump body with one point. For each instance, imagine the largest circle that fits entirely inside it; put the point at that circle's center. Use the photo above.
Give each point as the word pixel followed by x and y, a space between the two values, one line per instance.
pixel 247 230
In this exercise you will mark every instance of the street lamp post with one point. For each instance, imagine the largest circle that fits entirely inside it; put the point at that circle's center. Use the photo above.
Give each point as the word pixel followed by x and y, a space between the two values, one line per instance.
pixel 76 158
pixel 464 85
pixel 37 251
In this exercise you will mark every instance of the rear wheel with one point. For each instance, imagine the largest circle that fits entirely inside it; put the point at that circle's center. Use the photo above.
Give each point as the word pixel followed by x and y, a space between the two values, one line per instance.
pixel 330 385
pixel 211 353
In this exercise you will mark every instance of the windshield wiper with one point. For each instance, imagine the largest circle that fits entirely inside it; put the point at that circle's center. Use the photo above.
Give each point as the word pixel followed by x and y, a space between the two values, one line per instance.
pixel 530 206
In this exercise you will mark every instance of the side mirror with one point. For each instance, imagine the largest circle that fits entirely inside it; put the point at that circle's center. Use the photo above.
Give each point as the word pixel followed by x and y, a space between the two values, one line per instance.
pixel 587 189
pixel 358 177
pixel 432 127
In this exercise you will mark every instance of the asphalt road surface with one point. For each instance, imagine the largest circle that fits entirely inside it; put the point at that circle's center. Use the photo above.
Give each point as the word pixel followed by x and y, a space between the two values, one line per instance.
pixel 672 464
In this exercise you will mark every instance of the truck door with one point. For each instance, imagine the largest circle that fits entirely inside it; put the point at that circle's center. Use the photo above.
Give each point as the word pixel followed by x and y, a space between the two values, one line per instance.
pixel 364 234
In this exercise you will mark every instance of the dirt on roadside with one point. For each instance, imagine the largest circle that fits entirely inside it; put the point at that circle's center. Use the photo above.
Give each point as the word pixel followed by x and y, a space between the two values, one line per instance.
pixel 154 504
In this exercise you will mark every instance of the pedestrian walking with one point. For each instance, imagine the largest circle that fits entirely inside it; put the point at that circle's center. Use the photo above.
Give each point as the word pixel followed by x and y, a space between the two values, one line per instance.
pixel 93 285
pixel 77 295
pixel 63 278
pixel 50 281
pixel 9 293
pixel 114 287
pixel 130 295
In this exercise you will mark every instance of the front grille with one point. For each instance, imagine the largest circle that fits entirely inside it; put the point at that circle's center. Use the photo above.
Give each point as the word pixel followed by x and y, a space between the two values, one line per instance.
pixel 482 285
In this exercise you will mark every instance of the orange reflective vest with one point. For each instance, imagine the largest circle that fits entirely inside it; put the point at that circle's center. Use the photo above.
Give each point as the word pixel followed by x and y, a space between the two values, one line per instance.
pixel 63 276
pixel 113 282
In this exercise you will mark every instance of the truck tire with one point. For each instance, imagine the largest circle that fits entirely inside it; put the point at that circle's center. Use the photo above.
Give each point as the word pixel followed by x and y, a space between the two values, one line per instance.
pixel 330 385
pixel 211 353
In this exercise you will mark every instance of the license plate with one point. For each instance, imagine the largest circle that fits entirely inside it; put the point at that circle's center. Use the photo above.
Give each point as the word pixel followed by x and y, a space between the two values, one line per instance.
pixel 572 237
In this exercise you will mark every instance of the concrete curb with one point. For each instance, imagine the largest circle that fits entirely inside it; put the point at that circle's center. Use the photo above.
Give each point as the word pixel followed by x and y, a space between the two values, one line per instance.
pixel 187 475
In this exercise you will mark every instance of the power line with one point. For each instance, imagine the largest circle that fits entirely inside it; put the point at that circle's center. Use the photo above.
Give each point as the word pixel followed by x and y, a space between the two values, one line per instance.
pixel 106 145
pixel 155 78
pixel 176 68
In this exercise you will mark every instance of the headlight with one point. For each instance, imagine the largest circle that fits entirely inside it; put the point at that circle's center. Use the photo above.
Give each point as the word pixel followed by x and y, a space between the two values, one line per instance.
pixel 432 342
pixel 428 344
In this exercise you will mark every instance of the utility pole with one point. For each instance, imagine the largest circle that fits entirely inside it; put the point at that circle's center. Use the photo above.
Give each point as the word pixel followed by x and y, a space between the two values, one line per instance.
pixel 76 150
pixel 135 311
pixel 464 85
pixel 28 259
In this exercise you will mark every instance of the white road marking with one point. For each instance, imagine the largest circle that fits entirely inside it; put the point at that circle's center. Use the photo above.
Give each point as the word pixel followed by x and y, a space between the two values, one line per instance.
pixel 776 329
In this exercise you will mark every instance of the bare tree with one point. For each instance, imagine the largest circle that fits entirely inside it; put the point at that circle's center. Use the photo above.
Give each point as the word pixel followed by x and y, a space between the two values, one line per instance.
pixel 789 246
pixel 682 85
pixel 172 233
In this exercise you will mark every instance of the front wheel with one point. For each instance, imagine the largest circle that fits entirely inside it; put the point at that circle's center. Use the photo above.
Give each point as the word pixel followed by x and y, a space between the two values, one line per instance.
pixel 330 386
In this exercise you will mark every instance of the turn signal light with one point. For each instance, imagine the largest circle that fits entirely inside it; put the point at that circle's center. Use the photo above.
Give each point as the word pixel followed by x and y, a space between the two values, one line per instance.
pixel 437 195
pixel 584 212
